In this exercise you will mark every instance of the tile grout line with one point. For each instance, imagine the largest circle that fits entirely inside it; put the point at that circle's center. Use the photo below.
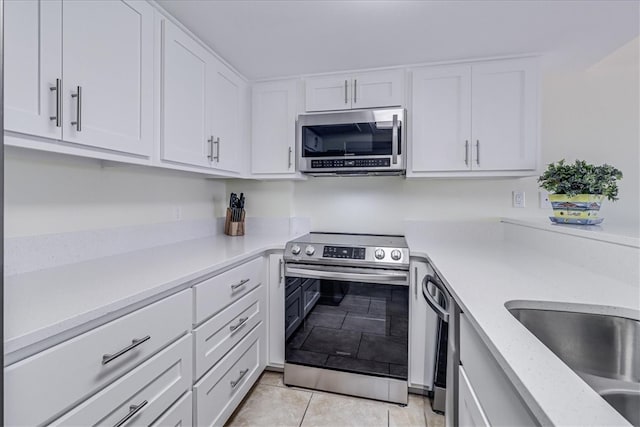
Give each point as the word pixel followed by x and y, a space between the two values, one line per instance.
pixel 305 410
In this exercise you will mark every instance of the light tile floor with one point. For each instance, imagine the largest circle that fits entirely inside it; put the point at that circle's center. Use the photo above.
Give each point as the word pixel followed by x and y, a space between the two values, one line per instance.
pixel 271 403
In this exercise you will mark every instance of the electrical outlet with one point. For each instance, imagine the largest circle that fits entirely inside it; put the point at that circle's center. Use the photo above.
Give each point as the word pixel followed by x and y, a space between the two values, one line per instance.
pixel 517 198
pixel 543 197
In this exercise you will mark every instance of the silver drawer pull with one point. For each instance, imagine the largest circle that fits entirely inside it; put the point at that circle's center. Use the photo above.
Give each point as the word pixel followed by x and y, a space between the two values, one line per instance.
pixel 134 343
pixel 237 381
pixel 133 410
pixel 239 284
pixel 239 324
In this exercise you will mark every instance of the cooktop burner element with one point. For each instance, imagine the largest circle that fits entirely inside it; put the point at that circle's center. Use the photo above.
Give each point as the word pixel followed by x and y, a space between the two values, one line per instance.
pixel 363 250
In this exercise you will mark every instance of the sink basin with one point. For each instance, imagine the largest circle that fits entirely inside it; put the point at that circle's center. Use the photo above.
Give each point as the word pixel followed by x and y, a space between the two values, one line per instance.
pixel 603 349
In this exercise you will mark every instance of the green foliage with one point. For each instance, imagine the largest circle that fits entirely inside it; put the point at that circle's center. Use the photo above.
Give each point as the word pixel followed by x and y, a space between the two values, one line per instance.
pixel 581 178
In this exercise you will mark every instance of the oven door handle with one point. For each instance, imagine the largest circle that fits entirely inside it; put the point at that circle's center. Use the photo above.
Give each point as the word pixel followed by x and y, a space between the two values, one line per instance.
pixel 441 311
pixel 377 277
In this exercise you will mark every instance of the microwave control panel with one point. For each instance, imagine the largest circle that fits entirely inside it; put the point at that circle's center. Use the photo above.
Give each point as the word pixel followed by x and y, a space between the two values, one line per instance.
pixel 343 252
pixel 351 163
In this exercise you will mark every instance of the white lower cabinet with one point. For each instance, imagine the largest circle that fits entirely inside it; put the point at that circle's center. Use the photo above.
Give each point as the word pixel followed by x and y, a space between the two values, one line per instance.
pixel 486 395
pixel 82 365
pixel 221 390
pixel 422 331
pixel 276 311
pixel 470 411
pixel 179 415
pixel 140 396
pixel 219 335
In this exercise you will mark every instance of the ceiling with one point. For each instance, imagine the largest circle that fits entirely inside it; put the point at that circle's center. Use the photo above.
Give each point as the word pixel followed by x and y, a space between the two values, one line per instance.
pixel 269 38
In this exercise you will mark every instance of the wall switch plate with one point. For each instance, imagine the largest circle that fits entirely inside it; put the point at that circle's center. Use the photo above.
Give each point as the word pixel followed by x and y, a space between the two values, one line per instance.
pixel 518 199
pixel 543 198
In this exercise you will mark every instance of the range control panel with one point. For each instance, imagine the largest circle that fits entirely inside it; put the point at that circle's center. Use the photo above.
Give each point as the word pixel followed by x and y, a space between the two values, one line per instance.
pixel 343 252
pixel 353 163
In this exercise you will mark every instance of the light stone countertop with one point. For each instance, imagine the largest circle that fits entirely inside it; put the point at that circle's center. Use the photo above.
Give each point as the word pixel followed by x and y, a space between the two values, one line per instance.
pixel 43 304
pixel 484 271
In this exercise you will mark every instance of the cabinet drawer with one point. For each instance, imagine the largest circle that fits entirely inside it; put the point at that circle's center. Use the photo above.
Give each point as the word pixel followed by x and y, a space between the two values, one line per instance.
pixel 219 335
pixel 292 312
pixel 179 415
pixel 223 388
pixel 216 293
pixel 159 382
pixel 77 367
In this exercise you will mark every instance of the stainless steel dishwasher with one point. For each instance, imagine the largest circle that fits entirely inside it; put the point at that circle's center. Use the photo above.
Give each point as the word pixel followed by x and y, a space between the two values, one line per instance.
pixel 445 384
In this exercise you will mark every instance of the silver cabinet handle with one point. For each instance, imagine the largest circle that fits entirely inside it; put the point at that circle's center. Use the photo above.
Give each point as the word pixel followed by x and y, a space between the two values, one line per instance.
pixel 345 92
pixel 442 312
pixel 58 90
pixel 290 152
pixel 478 152
pixel 210 142
pixel 281 272
pixel 217 156
pixel 394 139
pixel 466 152
pixel 134 343
pixel 240 323
pixel 133 410
pixel 239 284
pixel 355 91
pixel 235 382
pixel 415 288
pixel 78 96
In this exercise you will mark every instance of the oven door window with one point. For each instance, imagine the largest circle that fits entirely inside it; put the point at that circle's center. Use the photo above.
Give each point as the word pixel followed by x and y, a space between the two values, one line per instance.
pixel 347 326
pixel 353 139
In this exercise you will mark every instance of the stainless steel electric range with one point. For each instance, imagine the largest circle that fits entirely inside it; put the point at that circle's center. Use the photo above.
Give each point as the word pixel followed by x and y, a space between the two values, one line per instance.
pixel 346 314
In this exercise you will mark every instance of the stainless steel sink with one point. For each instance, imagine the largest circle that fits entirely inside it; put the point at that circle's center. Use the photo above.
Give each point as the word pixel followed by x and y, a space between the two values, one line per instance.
pixel 604 350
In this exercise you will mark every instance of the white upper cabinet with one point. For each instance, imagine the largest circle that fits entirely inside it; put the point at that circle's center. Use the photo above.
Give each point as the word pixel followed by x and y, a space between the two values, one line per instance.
pixel 475 118
pixel 362 90
pixel 186 135
pixel 32 66
pixel 441 118
pixel 504 114
pixel 70 76
pixel 273 127
pixel 108 75
pixel 202 108
pixel 227 93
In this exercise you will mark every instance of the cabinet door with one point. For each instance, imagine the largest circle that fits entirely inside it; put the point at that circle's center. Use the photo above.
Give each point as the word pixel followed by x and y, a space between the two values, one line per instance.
pixel 470 413
pixel 422 332
pixel 328 93
pixel 276 311
pixel 32 63
pixel 108 53
pixel 226 100
pixel 441 122
pixel 273 127
pixel 504 115
pixel 378 89
pixel 185 134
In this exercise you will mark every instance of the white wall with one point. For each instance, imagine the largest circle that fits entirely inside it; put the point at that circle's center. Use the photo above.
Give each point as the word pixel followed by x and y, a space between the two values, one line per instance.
pixel 590 114
pixel 47 193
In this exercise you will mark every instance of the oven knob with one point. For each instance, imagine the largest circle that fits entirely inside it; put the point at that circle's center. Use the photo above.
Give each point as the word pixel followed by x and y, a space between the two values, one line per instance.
pixel 396 255
pixel 295 249
pixel 379 253
pixel 309 250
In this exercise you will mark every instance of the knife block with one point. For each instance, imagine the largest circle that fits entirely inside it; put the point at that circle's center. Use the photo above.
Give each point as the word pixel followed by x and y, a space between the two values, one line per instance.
pixel 234 228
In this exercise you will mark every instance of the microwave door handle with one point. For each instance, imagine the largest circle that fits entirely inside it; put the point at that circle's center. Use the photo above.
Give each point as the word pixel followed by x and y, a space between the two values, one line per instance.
pixel 394 139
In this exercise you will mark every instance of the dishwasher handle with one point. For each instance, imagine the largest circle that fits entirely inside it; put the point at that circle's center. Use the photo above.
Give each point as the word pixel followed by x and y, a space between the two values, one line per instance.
pixel 436 294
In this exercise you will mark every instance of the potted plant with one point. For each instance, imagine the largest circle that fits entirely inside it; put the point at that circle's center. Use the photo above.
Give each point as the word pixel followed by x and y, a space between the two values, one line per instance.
pixel 578 190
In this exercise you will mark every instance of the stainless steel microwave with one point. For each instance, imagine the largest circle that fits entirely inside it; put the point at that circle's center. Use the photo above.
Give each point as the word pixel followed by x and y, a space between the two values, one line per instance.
pixel 359 142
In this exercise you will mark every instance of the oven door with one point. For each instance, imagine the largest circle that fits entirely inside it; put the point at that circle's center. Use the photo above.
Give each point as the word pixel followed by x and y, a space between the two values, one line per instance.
pixel 347 319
